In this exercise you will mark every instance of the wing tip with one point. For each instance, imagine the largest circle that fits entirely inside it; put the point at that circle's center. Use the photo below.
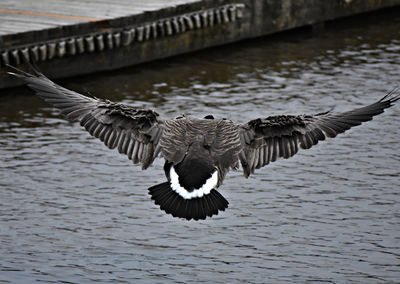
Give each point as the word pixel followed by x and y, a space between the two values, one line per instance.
pixel 33 70
pixel 17 72
pixel 391 97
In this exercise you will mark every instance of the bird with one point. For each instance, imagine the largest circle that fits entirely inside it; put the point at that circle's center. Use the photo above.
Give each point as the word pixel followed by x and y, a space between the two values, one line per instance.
pixel 198 152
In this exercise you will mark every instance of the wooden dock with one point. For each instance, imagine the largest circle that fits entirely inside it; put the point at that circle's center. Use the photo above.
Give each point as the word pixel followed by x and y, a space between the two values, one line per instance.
pixel 71 37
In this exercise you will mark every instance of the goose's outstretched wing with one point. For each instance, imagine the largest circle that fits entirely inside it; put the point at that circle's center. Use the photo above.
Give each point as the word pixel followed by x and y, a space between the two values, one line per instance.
pixel 265 140
pixel 134 131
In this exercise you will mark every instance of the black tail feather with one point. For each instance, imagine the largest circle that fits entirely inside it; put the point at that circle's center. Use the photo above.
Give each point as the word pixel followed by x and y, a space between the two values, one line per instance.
pixel 211 204
pixel 207 208
pixel 195 208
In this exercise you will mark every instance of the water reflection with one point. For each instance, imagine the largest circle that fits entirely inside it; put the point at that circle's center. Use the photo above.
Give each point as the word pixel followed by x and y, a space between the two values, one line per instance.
pixel 73 211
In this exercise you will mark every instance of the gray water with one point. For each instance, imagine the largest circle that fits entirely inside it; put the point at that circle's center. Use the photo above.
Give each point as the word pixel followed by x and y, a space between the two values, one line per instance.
pixel 72 211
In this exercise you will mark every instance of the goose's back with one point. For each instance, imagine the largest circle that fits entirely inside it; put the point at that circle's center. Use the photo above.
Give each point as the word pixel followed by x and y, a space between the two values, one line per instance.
pixel 216 139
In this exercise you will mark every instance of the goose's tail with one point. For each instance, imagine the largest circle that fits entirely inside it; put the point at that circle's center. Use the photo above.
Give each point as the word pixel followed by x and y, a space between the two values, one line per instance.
pixel 197 208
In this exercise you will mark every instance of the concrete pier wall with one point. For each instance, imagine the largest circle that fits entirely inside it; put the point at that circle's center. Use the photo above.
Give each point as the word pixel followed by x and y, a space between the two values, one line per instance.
pixel 91 45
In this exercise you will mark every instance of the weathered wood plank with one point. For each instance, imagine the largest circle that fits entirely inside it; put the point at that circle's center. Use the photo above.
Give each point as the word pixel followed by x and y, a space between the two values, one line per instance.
pixel 27 19
pixel 38 15
pixel 97 8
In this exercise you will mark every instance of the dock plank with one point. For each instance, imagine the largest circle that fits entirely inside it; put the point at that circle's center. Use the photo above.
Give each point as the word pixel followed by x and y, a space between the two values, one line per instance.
pixel 24 23
pixel 33 13
pixel 96 8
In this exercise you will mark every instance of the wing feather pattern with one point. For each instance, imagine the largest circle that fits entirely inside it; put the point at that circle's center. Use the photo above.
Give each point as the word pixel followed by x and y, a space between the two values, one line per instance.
pixel 135 132
pixel 265 140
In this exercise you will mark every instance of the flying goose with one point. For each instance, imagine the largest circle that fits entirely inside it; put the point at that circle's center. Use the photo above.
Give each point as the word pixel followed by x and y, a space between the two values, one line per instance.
pixel 198 152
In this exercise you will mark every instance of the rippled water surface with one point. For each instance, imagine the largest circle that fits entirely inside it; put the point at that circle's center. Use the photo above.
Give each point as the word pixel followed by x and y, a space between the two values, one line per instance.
pixel 72 211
